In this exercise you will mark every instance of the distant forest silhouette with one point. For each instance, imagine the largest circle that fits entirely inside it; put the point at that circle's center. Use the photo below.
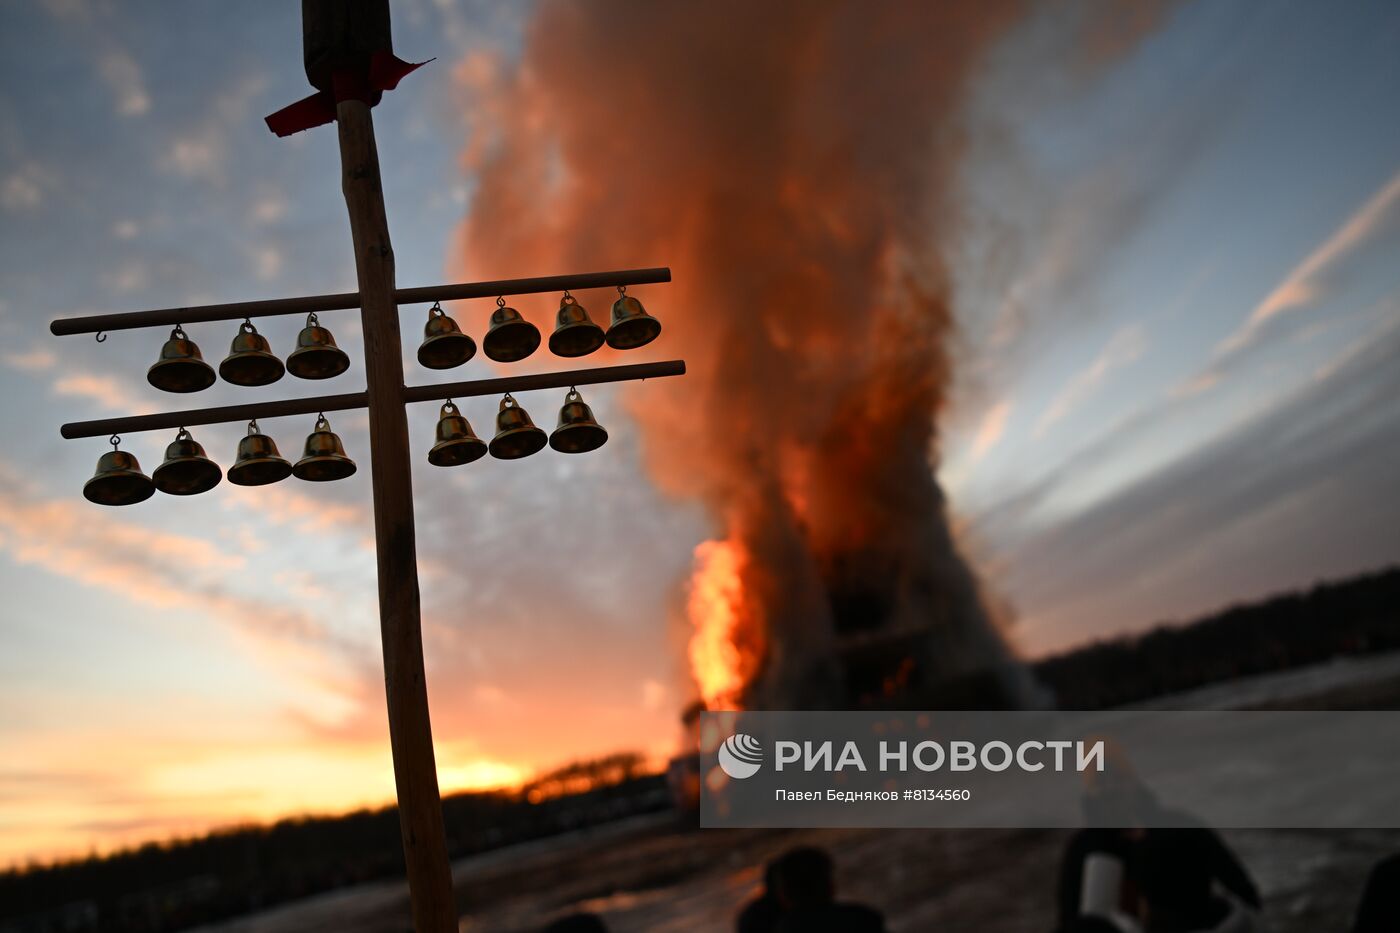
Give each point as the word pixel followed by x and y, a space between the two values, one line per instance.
pixel 174 885
pixel 1355 616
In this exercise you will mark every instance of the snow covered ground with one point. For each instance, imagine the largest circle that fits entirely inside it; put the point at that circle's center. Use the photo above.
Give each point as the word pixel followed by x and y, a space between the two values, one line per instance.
pixel 654 874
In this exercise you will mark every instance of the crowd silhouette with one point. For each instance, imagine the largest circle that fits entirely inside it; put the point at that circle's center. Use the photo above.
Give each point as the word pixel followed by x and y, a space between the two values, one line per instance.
pixel 1129 880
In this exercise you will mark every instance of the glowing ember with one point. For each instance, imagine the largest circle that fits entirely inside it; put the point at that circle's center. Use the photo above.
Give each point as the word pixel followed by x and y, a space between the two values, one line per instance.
pixel 726 646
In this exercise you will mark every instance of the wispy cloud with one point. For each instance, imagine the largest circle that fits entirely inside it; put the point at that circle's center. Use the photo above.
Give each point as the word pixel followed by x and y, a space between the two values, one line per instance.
pixel 116 67
pixel 123 76
pixel 201 152
pixel 1304 284
pixel 155 568
pixel 138 562
pixel 990 430
pixel 1123 348
pixel 25 188
pixel 284 504
pixel 36 360
pixel 103 390
pixel 1308 474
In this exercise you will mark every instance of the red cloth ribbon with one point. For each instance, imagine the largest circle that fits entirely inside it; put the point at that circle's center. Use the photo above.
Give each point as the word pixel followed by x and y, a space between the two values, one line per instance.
pixel 385 72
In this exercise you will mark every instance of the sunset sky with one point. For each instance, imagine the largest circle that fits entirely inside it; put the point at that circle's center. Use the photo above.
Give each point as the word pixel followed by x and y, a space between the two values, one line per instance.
pixel 1178 293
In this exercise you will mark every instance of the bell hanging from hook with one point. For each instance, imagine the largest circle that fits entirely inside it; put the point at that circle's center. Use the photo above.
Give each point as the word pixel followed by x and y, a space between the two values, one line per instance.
pixel 316 355
pixel 118 480
pixel 510 338
pixel 456 442
pixel 578 431
pixel 575 333
pixel 444 345
pixel 181 367
pixel 324 457
pixel 250 361
pixel 631 326
pixel 187 470
pixel 259 462
pixel 516 435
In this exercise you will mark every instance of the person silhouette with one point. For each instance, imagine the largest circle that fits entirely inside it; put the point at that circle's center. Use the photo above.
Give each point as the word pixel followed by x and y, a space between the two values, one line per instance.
pixel 806 886
pixel 1177 888
pixel 1101 873
pixel 1379 910
pixel 762 913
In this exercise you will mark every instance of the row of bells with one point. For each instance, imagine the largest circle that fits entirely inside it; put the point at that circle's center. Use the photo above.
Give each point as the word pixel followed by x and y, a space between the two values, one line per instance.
pixel 251 362
pixel 187 469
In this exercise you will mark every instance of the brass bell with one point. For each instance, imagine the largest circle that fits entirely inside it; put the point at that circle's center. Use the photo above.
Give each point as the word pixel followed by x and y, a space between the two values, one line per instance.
pixel 250 361
pixel 316 355
pixel 181 367
pixel 258 462
pixel 456 443
pixel 510 337
pixel 324 458
pixel 631 326
pixel 118 480
pixel 575 333
pixel 516 435
pixel 187 470
pixel 578 432
pixel 444 345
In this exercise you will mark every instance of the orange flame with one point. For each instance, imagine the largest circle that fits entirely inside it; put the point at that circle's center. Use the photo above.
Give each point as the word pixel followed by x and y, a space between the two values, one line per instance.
pixel 726 645
pixel 798 174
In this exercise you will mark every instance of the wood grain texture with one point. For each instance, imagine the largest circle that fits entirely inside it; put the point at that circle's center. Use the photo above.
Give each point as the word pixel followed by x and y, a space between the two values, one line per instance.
pixel 410 733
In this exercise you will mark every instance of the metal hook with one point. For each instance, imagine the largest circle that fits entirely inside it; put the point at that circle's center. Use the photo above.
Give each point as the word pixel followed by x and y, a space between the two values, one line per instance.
pixel 115 440
pixel 622 289
pixel 101 336
pixel 501 302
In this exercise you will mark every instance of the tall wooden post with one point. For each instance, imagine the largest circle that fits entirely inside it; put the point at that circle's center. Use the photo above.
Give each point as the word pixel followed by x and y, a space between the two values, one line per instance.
pixel 410 733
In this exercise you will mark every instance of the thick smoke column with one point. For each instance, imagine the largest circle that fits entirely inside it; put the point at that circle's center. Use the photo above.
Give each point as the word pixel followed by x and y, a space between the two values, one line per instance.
pixel 793 164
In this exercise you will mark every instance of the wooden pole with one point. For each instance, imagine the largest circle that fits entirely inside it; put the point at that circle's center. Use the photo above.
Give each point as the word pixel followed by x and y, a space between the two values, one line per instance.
pixel 410 733
pixel 306 304
pixel 499 385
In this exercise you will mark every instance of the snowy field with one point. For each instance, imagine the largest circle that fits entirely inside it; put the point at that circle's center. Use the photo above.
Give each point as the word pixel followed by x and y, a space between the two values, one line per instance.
pixel 653 874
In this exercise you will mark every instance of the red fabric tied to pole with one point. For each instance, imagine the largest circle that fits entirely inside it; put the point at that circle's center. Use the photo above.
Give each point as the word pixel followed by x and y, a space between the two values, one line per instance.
pixel 384 73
